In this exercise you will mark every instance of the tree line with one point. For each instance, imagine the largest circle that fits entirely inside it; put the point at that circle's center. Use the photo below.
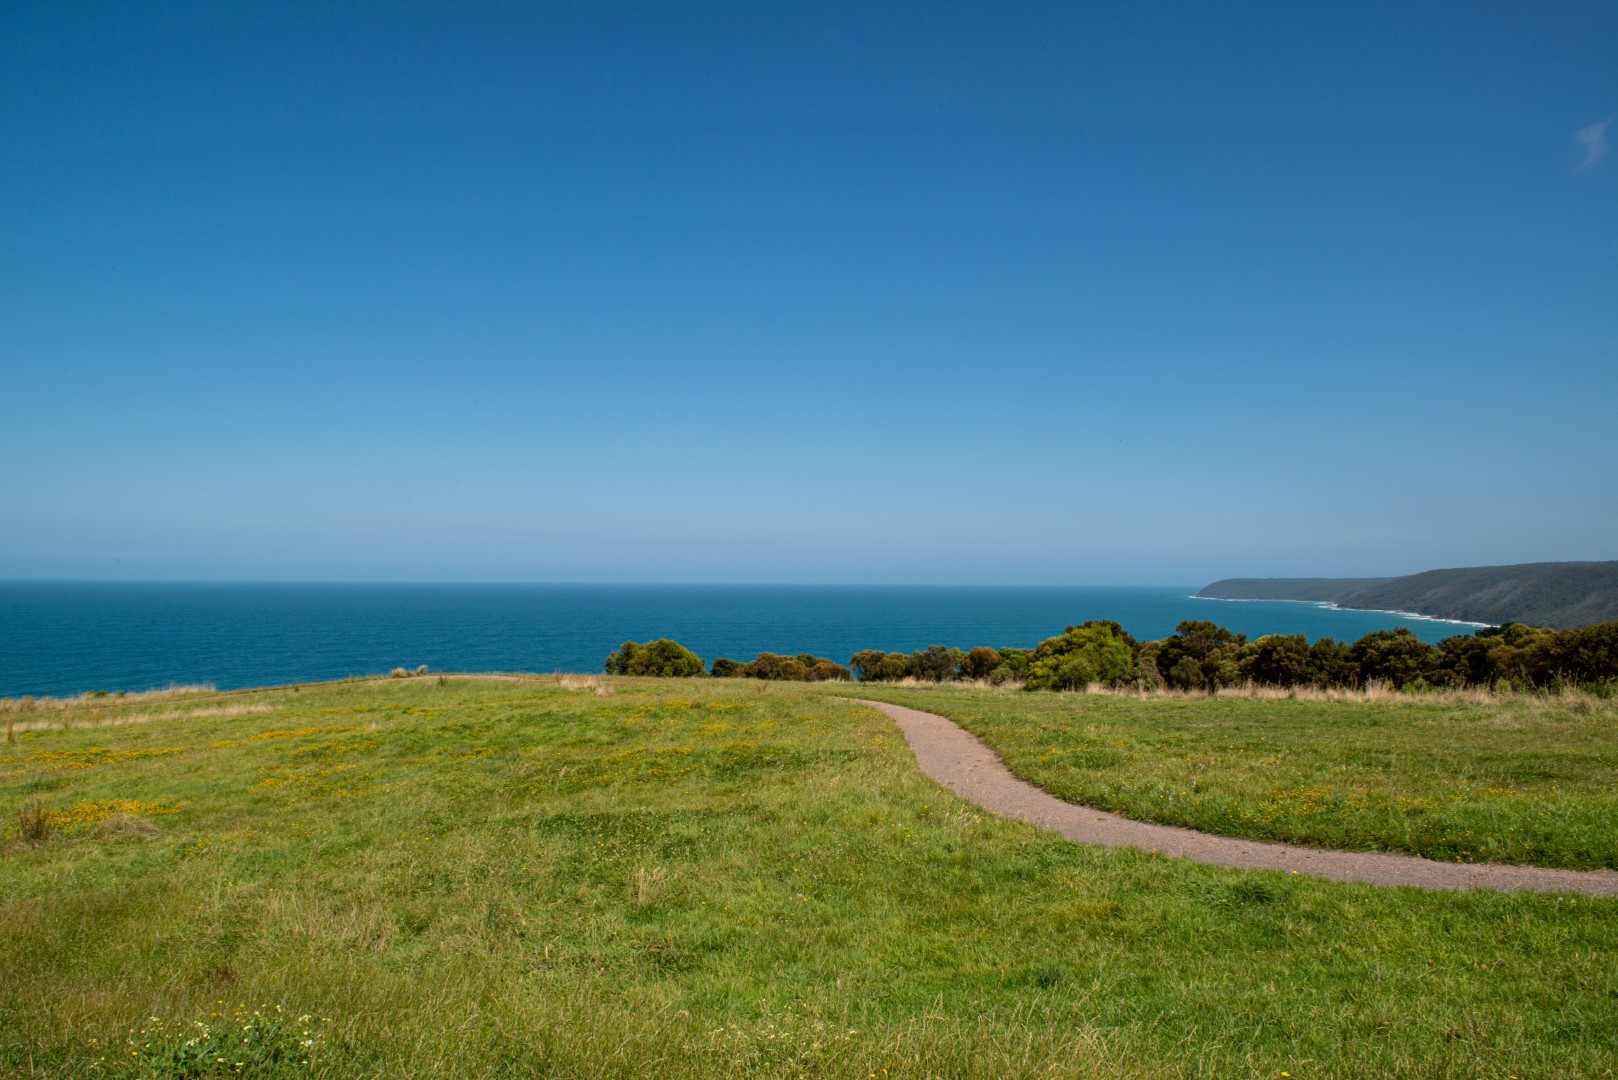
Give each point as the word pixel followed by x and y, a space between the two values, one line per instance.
pixel 1199 655
pixel 669 658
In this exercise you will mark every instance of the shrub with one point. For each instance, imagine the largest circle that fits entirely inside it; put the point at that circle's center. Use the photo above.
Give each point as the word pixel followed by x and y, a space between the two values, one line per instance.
pixel 1140 676
pixel 1328 659
pixel 725 668
pixel 1016 661
pixel 767 665
pixel 1069 673
pixel 1212 650
pixel 867 664
pixel 978 663
pixel 34 824
pixel 827 671
pixel 661 658
pixel 936 664
pixel 1097 651
pixel 801 668
pixel 874 665
pixel 1186 674
pixel 1277 660
pixel 1396 657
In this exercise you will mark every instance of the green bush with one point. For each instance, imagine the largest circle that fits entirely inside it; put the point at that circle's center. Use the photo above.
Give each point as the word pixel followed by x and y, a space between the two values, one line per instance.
pixel 767 665
pixel 874 665
pixel 978 663
pixel 1277 659
pixel 1200 656
pixel 1396 657
pixel 801 668
pixel 1097 651
pixel 662 658
pixel 827 671
pixel 936 664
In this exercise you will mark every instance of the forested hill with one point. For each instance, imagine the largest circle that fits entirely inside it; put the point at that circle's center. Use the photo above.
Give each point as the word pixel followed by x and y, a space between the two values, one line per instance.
pixel 1324 590
pixel 1560 595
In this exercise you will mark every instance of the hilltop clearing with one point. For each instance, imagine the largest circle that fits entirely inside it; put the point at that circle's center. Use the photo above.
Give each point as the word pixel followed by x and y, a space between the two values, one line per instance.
pixel 701 877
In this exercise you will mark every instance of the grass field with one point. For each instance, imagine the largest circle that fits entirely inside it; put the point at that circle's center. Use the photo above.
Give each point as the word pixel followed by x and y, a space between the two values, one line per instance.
pixel 694 878
pixel 1517 778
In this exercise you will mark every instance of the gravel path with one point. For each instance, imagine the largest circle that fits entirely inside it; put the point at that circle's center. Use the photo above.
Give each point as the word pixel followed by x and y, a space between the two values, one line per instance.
pixel 957 760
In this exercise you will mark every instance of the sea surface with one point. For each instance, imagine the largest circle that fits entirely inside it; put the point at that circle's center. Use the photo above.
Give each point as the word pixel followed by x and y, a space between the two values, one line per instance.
pixel 66 638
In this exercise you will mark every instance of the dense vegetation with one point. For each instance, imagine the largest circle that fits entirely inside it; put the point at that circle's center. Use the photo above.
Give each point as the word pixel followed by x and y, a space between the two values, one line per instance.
pixel 1559 595
pixel 1516 778
pixel 767 665
pixel 712 878
pixel 665 658
pixel 1202 656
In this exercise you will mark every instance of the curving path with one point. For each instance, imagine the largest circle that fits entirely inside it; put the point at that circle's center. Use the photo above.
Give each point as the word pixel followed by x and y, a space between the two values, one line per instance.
pixel 959 761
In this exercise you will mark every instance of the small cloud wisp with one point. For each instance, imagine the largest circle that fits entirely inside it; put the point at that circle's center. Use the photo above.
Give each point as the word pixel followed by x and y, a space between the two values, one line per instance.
pixel 1594 141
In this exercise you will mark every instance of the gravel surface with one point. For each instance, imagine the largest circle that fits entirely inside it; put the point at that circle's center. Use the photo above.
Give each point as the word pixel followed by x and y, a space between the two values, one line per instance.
pixel 957 760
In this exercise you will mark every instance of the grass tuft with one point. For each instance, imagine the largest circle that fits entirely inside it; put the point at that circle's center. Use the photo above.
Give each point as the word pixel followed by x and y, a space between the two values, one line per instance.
pixel 650 885
pixel 35 824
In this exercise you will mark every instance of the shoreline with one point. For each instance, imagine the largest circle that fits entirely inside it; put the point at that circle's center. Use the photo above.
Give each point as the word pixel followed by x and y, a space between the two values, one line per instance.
pixel 1330 606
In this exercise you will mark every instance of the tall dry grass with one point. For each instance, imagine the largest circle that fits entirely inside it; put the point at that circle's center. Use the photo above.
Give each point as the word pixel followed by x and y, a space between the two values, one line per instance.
pixel 29 703
pixel 1376 691
pixel 64 720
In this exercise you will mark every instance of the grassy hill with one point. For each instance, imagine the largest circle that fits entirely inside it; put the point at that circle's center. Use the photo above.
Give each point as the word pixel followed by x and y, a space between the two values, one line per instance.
pixel 569 878
pixel 1558 595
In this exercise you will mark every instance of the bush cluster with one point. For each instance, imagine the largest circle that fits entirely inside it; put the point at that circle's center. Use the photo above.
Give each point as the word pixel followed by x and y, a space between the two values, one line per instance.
pixel 767 665
pixel 1202 655
pixel 670 659
pixel 1199 655
pixel 1096 651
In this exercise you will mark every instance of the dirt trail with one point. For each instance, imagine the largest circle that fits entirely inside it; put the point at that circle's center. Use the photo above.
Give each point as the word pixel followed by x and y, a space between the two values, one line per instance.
pixel 959 761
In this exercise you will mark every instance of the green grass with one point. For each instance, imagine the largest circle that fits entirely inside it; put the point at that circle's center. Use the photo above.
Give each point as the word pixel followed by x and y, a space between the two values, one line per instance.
pixel 1513 778
pixel 696 878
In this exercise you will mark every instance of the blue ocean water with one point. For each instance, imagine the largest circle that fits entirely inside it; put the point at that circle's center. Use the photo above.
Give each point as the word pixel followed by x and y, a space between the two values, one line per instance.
pixel 66 638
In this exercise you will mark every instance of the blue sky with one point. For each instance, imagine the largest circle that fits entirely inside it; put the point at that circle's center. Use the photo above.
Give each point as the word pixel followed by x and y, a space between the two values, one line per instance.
pixel 936 293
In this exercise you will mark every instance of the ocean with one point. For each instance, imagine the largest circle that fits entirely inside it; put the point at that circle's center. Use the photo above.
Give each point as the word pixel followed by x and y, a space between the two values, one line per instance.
pixel 62 638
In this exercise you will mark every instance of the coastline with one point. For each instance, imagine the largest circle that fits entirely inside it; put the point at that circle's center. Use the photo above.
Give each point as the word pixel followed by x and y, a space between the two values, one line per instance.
pixel 1329 606
pixel 70 639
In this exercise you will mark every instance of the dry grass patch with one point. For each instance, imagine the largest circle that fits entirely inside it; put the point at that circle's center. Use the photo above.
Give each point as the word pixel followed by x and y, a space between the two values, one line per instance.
pixel 650 885
pixel 28 703
pixel 587 684
pixel 97 718
pixel 126 826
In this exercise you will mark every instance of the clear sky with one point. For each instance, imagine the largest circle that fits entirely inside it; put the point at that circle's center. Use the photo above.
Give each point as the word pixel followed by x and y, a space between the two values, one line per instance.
pixel 930 293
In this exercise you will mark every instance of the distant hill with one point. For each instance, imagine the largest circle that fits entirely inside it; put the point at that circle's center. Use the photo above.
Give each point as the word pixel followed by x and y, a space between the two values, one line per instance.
pixel 1324 590
pixel 1560 595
